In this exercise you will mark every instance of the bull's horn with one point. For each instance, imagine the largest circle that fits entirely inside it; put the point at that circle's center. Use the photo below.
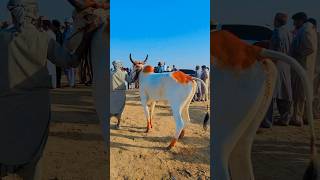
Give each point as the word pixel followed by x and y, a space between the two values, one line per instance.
pixel 309 95
pixel 85 4
pixel 131 59
pixel 146 58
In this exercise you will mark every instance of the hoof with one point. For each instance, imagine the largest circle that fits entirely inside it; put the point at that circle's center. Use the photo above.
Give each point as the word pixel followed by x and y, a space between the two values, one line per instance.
pixel 181 134
pixel 150 123
pixel 172 144
pixel 149 126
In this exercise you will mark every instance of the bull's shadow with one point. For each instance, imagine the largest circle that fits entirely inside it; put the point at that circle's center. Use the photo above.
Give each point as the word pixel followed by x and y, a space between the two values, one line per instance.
pixel 73 106
pixel 284 157
pixel 179 153
pixel 77 136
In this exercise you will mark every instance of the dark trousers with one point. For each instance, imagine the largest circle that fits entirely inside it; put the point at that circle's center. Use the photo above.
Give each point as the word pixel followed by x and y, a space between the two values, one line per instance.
pixel 58 73
pixel 284 107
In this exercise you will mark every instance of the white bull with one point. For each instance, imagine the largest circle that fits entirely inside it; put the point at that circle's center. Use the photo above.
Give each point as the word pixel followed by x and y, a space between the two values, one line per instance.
pixel 176 88
pixel 241 99
pixel 89 10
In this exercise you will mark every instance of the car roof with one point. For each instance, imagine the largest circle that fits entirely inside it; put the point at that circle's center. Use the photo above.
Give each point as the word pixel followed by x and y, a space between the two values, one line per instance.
pixel 246 32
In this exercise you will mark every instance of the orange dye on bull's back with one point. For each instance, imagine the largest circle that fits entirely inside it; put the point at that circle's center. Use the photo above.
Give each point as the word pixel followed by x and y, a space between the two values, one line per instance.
pixel 181 77
pixel 231 52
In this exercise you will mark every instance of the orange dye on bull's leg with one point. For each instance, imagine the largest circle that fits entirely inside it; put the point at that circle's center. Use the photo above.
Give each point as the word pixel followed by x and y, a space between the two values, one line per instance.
pixel 231 52
pixel 148 69
pixel 149 126
pixel 181 77
pixel 172 144
pixel 150 123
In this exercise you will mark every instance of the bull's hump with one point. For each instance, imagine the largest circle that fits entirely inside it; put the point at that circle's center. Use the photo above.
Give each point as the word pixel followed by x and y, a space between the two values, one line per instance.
pixel 181 77
pixel 148 69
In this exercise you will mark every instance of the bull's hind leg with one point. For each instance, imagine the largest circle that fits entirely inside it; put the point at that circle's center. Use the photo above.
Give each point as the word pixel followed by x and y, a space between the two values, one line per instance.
pixel 240 160
pixel 185 110
pixel 146 112
pixel 176 110
pixel 230 127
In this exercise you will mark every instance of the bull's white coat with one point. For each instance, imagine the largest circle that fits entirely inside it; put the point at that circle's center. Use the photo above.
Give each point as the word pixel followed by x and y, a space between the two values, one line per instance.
pixel 164 87
pixel 235 124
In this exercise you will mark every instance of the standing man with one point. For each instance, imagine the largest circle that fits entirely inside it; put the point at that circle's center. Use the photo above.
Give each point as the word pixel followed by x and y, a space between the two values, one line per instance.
pixel 205 78
pixel 168 69
pixel 174 68
pixel 160 68
pixel 198 94
pixel 70 72
pixel 304 50
pixel 119 77
pixel 316 82
pixel 281 41
pixel 24 89
pixel 56 26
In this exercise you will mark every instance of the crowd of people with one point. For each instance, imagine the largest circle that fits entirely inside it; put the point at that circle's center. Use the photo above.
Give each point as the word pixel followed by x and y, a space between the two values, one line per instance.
pixel 120 73
pixel 60 32
pixel 202 91
pixel 31 47
pixel 301 43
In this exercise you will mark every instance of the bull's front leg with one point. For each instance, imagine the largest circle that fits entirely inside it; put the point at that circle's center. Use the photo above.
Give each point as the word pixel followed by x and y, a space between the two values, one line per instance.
pixel 153 104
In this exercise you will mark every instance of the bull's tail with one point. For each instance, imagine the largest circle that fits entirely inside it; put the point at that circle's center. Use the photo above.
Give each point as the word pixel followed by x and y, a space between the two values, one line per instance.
pixel 313 170
pixel 207 116
pixel 206 119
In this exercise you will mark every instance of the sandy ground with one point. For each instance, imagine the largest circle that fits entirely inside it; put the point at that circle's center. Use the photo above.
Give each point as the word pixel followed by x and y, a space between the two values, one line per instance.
pixel 137 155
pixel 282 153
pixel 75 147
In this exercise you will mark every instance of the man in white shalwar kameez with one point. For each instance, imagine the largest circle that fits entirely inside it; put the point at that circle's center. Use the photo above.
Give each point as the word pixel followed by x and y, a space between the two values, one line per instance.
pixel 118 89
pixel 304 50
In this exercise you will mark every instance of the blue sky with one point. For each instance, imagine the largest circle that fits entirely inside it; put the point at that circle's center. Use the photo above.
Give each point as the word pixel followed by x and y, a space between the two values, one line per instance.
pixel 174 31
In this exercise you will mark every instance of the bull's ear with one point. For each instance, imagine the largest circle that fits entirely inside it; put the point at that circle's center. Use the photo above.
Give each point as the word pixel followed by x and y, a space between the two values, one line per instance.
pixel 146 59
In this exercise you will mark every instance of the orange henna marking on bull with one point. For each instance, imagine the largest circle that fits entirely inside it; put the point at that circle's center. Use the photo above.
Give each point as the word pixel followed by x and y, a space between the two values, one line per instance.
pixel 181 77
pixel 172 144
pixel 148 69
pixel 149 126
pixel 151 123
pixel 232 52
